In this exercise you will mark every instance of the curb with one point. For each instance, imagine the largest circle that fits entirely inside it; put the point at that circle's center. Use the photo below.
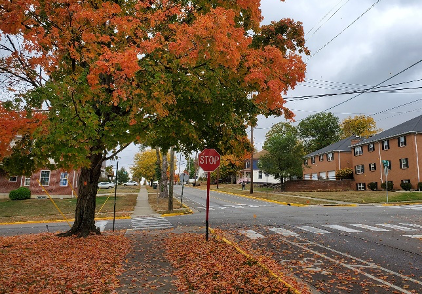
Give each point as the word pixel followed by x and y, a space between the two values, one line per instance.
pixel 178 213
pixel 238 249
pixel 58 221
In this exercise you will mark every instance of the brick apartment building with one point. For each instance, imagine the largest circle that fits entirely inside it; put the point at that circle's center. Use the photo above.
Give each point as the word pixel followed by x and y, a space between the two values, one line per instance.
pixel 399 145
pixel 323 163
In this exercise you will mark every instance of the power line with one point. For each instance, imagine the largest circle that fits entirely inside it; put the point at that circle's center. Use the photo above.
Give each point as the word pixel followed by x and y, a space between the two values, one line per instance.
pixel 398 106
pixel 347 100
pixel 372 6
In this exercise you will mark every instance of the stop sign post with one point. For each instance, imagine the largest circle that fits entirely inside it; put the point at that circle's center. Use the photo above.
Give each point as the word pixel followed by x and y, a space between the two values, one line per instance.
pixel 209 161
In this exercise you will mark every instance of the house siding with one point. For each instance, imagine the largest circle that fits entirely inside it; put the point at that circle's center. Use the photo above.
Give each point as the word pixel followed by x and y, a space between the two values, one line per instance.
pixel 342 159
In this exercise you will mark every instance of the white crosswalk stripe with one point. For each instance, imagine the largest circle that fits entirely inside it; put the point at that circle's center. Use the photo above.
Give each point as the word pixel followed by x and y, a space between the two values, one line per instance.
pixel 396 227
pixel 251 234
pixel 283 232
pixel 314 230
pixel 150 223
pixel 343 228
pixel 371 228
pixel 412 225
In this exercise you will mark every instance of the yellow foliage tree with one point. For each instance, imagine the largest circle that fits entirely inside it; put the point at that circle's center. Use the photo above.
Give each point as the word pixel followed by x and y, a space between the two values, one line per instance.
pixel 360 125
pixel 145 165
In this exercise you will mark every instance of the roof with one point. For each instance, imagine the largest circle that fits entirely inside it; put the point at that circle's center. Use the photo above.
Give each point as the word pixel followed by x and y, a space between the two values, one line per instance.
pixel 411 126
pixel 342 145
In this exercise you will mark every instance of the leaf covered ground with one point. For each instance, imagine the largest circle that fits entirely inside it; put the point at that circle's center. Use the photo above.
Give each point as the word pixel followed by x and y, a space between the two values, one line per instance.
pixel 145 262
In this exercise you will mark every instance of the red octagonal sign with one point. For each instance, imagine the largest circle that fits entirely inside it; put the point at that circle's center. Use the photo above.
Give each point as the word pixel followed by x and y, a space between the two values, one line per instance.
pixel 209 160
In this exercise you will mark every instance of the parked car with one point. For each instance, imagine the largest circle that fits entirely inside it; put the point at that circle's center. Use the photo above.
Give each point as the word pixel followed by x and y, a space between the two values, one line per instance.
pixel 130 183
pixel 105 185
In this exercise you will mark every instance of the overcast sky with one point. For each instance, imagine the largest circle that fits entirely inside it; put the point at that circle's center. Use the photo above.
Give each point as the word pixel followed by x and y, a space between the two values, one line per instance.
pixel 355 45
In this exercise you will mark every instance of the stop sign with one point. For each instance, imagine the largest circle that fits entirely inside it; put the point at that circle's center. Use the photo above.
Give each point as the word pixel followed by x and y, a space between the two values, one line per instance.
pixel 209 160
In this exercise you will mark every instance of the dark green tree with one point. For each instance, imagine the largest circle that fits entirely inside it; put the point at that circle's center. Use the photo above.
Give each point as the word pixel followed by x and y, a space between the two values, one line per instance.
pixel 319 130
pixel 285 153
pixel 122 175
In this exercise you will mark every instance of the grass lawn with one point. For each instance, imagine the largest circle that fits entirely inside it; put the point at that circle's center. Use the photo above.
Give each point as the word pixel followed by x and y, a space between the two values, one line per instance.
pixel 44 209
pixel 160 205
pixel 312 198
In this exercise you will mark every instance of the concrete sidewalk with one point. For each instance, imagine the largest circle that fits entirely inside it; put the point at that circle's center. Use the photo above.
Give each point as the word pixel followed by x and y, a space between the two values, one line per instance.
pixel 142 207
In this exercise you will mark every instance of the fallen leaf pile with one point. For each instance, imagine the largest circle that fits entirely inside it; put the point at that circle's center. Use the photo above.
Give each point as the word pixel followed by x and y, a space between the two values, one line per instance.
pixel 216 267
pixel 45 263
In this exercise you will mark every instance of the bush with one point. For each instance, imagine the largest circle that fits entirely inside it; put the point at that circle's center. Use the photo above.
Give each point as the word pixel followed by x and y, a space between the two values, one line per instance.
pixel 420 186
pixel 373 186
pixel 21 193
pixel 344 173
pixel 406 186
pixel 390 186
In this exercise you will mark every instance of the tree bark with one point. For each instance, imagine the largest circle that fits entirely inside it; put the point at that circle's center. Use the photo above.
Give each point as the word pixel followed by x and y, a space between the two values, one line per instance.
pixel 84 224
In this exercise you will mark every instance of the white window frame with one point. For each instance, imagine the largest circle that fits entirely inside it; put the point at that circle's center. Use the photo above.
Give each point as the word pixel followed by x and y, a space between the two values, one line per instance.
pixel 64 177
pixel 260 174
pixel 385 145
pixel 313 160
pixel 361 186
pixel 358 151
pixel 43 178
pixel 321 157
pixel 27 181
pixel 359 169
pixel 373 166
pixel 330 156
pixel 404 163
pixel 402 141
pixel 371 147
pixel 13 179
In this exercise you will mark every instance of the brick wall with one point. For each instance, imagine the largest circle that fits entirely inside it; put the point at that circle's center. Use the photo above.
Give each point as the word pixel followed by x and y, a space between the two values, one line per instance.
pixel 309 186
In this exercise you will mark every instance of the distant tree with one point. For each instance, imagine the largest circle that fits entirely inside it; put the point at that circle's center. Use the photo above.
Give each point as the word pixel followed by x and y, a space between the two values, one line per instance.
pixel 319 130
pixel 145 165
pixel 360 125
pixel 229 166
pixel 122 175
pixel 285 153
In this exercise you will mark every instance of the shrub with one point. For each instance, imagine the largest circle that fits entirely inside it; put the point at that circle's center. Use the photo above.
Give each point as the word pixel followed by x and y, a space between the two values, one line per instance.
pixel 344 173
pixel 21 193
pixel 420 186
pixel 373 186
pixel 390 186
pixel 406 186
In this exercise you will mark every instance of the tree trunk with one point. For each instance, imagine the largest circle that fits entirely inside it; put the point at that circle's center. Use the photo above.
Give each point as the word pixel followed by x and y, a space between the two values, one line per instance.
pixel 170 203
pixel 84 224
pixel 158 169
pixel 164 178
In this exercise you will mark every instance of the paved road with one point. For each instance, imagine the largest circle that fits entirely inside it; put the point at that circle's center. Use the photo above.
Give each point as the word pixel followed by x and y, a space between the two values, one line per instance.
pixel 364 249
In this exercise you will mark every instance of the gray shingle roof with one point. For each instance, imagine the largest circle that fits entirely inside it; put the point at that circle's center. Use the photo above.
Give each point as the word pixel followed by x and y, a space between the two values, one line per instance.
pixel 411 126
pixel 342 145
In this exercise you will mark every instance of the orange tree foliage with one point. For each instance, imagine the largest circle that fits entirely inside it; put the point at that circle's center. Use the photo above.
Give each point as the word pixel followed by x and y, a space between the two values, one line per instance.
pixel 168 73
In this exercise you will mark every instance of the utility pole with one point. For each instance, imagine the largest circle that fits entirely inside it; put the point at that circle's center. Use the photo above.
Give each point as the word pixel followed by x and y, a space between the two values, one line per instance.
pixel 170 204
pixel 251 190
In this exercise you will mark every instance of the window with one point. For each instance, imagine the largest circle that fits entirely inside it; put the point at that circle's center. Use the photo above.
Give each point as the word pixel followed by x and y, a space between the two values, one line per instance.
pixel 260 174
pixel 305 162
pixel 248 164
pixel 27 181
pixel 405 181
pixel 63 179
pixel 372 166
pixel 402 141
pixel 361 186
pixel 321 157
pixel 330 156
pixel 385 145
pixel 371 147
pixel 13 179
pixel 358 150
pixel 45 178
pixel 359 169
pixel 404 163
pixel 313 159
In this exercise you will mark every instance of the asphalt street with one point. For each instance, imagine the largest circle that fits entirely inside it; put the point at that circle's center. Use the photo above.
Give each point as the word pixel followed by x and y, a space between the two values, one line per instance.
pixel 337 249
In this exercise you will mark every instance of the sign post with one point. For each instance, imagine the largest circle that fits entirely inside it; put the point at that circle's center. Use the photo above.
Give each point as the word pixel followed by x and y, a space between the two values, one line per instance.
pixel 209 161
pixel 184 178
pixel 385 164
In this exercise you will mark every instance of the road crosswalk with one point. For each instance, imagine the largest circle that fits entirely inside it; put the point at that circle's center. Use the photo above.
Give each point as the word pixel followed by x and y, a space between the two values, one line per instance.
pixel 150 223
pixel 411 230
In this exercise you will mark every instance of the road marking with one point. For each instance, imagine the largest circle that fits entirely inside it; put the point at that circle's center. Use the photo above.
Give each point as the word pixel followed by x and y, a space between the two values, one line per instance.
pixel 396 227
pixel 342 228
pixel 371 228
pixel 150 223
pixel 412 225
pixel 251 234
pixel 314 230
pixel 283 232
pixel 414 236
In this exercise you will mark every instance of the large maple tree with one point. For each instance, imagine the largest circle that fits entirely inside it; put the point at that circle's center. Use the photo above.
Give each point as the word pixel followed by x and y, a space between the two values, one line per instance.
pixel 170 73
